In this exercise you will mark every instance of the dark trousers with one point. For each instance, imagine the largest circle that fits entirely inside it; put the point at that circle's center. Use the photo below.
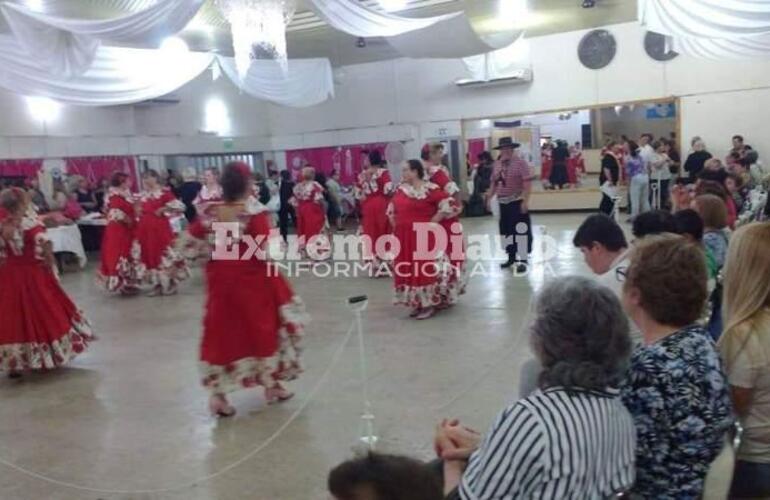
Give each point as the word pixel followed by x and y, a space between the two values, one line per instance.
pixel 750 480
pixel 664 194
pixel 606 205
pixel 284 214
pixel 516 240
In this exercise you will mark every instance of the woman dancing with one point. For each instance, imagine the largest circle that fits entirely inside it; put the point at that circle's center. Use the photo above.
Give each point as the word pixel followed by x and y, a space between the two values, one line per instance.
pixel 309 202
pixel 254 322
pixel 439 175
pixel 165 266
pixel 211 192
pixel 42 328
pixel 422 282
pixel 121 268
pixel 373 190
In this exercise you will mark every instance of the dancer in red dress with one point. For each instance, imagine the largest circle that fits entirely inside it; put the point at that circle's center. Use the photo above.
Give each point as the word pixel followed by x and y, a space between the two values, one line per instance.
pixel 422 282
pixel 41 327
pixel 211 192
pixel 253 323
pixel 165 266
pixel 121 268
pixel 309 202
pixel 373 191
pixel 439 175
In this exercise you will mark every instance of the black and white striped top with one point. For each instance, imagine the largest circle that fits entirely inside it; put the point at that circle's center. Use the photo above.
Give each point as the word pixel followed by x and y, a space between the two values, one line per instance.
pixel 555 444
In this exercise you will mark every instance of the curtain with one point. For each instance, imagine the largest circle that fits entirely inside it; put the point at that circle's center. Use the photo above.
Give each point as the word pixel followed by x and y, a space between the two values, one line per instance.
pixel 711 29
pixel 306 82
pixel 123 76
pixel 728 19
pixel 357 19
pixel 499 63
pixel 97 168
pixel 66 47
pixel 20 168
pixel 450 38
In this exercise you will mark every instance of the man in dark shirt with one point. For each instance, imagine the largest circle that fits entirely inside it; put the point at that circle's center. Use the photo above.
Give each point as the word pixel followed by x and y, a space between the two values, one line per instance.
pixel 285 192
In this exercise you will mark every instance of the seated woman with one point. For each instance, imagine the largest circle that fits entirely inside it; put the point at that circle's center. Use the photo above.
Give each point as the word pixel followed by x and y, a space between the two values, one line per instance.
pixel 675 388
pixel 745 350
pixel 571 438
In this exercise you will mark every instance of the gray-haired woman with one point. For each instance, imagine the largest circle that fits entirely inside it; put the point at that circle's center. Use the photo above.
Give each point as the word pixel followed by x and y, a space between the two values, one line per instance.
pixel 572 437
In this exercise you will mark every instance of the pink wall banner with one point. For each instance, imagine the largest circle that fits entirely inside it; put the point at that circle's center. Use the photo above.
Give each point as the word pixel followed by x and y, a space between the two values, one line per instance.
pixel 96 168
pixel 20 168
pixel 347 160
pixel 475 148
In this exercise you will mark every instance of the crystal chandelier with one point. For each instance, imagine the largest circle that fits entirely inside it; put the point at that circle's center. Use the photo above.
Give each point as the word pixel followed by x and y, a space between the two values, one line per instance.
pixel 259 30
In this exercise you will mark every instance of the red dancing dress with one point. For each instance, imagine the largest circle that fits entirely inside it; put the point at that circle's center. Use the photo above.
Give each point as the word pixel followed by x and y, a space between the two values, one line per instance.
pixel 121 268
pixel 373 190
pixel 311 215
pixel 165 266
pixel 546 165
pixel 253 325
pixel 41 327
pixel 421 281
pixel 576 166
pixel 439 176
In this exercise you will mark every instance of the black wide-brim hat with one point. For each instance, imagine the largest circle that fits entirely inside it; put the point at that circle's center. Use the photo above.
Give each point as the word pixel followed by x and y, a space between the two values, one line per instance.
pixel 506 143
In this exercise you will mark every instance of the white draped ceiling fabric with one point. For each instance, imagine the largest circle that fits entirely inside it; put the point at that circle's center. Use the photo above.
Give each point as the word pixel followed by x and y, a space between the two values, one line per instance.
pixel 67 46
pixel 716 29
pixel 450 38
pixel 121 75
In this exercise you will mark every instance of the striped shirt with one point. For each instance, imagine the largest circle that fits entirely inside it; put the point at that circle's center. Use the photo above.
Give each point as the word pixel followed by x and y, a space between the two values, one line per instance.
pixel 555 444
pixel 509 178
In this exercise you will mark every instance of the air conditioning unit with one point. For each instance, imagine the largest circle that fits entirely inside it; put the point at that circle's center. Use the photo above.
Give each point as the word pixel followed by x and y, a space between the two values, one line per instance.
pixel 520 76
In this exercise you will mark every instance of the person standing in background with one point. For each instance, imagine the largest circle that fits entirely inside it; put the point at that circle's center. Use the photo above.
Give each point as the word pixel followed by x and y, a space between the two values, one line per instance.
pixel 559 177
pixel 286 212
pixel 335 201
pixel 609 177
pixel 512 184
pixel 188 192
pixel 210 192
pixel 85 196
pixel 36 195
pixel 660 174
pixel 696 159
pixel 646 151
pixel 639 181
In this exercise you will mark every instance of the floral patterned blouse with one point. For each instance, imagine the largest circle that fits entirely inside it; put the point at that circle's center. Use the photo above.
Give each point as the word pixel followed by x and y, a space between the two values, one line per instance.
pixel 678 395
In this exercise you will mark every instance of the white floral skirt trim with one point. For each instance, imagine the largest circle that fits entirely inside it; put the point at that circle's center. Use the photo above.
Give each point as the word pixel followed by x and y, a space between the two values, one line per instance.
pixel 47 356
pixel 284 366
pixel 445 291
pixel 173 268
pixel 130 273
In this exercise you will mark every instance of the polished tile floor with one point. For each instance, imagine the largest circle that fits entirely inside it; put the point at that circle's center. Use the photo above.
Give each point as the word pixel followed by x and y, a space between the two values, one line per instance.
pixel 128 420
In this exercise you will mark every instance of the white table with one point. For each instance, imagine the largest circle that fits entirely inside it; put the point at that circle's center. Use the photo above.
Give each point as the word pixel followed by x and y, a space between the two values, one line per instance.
pixel 68 239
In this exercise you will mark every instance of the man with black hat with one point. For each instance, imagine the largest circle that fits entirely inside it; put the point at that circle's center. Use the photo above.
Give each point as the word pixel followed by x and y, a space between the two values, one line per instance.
pixel 512 183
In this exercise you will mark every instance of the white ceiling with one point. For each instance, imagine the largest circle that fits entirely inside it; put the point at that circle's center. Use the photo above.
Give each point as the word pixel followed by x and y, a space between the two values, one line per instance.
pixel 308 36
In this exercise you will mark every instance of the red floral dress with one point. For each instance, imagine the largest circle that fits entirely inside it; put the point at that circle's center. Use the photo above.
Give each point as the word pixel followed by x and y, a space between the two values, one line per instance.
pixel 41 326
pixel 311 214
pixel 373 190
pixel 421 281
pixel 165 267
pixel 121 268
pixel 576 166
pixel 546 165
pixel 254 322
pixel 456 250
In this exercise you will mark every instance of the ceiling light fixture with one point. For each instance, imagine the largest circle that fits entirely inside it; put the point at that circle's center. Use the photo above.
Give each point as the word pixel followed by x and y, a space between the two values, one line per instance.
pixel 43 108
pixel 393 5
pixel 588 4
pixel 259 30
pixel 361 42
pixel 174 45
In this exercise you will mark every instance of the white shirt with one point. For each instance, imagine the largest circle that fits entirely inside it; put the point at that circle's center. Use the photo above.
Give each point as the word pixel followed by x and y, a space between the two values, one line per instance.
pixel 614 279
pixel 646 152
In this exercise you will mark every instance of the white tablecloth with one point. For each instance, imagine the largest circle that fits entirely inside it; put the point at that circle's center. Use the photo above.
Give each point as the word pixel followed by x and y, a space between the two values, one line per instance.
pixel 67 239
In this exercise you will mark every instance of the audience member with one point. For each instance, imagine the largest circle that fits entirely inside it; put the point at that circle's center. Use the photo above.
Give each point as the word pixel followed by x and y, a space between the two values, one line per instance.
pixel 188 192
pixel 36 195
pixel 696 159
pixel 377 476
pixel 675 388
pixel 72 209
pixel 713 170
pixel 286 211
pixel 609 176
pixel 639 181
pixel 745 350
pixel 660 175
pixel 85 196
pixel 653 222
pixel 689 224
pixel 100 192
pixel 713 211
pixel 570 438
